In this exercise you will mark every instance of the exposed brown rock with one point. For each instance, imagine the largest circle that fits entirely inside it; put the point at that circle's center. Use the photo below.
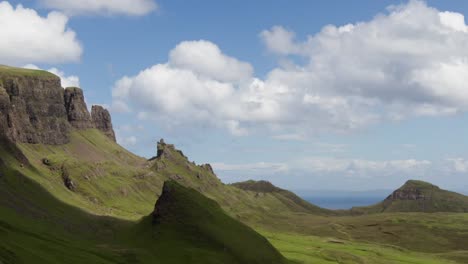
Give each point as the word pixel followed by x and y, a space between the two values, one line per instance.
pixel 102 120
pixel 407 194
pixel 208 168
pixel 77 112
pixel 32 109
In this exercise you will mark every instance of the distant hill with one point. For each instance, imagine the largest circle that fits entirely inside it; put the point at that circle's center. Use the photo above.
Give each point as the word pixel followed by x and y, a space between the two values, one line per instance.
pixel 288 198
pixel 418 196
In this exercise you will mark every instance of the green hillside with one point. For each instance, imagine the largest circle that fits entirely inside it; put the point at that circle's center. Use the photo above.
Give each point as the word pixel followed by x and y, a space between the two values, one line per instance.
pixel 419 196
pixel 261 188
pixel 183 218
pixel 37 228
pixel 88 200
pixel 109 180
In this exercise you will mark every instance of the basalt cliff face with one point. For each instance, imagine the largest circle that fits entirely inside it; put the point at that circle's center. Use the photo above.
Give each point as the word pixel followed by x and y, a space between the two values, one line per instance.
pixel 77 112
pixel 102 120
pixel 35 109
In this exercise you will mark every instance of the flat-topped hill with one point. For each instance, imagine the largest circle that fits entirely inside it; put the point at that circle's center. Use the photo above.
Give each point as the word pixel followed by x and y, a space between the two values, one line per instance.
pixel 419 196
pixel 294 202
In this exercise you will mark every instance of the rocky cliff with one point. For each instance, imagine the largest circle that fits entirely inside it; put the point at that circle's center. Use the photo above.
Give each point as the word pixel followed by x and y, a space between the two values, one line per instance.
pixel 102 120
pixel 34 108
pixel 77 113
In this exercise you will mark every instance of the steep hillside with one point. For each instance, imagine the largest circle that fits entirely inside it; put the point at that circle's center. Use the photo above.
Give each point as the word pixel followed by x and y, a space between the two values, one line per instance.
pixel 183 218
pixel 419 196
pixel 35 227
pixel 80 163
pixel 68 191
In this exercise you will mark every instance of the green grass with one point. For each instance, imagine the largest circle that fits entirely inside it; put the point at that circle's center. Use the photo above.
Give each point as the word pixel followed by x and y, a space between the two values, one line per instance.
pixel 294 202
pixel 110 180
pixel 322 250
pixel 21 72
pixel 431 199
pixel 113 182
pixel 419 232
pixel 187 219
pixel 35 227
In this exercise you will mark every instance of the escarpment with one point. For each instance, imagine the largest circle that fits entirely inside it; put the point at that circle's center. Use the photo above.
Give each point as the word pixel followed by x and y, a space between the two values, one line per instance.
pixel 35 109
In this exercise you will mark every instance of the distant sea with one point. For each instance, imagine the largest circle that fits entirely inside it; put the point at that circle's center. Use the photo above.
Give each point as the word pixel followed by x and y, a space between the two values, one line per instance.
pixel 342 202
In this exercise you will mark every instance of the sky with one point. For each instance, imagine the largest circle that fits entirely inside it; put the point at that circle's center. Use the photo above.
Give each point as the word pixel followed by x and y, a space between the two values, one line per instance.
pixel 329 95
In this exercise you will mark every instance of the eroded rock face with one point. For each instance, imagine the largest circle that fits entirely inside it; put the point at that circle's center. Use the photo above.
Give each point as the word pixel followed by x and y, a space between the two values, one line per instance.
pixel 102 120
pixel 4 108
pixel 32 110
pixel 407 194
pixel 77 112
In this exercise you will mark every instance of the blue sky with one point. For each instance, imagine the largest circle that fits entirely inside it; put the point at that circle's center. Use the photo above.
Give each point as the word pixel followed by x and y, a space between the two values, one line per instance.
pixel 309 95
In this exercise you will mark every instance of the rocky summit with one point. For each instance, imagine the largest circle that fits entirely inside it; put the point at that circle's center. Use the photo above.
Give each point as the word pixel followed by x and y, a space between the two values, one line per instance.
pixel 418 196
pixel 35 109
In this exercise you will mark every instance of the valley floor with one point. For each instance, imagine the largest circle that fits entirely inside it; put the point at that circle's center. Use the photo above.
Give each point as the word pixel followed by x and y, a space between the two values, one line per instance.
pixel 322 250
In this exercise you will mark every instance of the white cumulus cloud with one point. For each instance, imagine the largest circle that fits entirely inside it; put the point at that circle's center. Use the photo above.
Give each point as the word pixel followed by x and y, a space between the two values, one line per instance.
pixel 407 62
pixel 206 59
pixel 413 60
pixel 106 7
pixel 29 38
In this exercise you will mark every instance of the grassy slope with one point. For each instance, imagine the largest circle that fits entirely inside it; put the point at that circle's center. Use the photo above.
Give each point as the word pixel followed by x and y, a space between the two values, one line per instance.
pixel 261 188
pixel 322 250
pixel 35 227
pixel 109 180
pixel 112 181
pixel 184 214
pixel 435 200
pixel 21 72
pixel 108 176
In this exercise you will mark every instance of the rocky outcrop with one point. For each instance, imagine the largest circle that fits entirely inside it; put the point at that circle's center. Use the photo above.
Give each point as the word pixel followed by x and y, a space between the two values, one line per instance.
pixel 407 194
pixel 208 167
pixel 32 109
pixel 413 190
pixel 102 121
pixel 75 105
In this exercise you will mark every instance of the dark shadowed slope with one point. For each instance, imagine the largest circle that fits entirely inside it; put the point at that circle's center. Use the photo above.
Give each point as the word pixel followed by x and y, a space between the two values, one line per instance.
pixel 183 218
pixel 35 227
pixel 419 196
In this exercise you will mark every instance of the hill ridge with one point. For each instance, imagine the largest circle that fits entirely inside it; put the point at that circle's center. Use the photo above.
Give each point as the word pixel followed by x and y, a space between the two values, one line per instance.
pixel 418 196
